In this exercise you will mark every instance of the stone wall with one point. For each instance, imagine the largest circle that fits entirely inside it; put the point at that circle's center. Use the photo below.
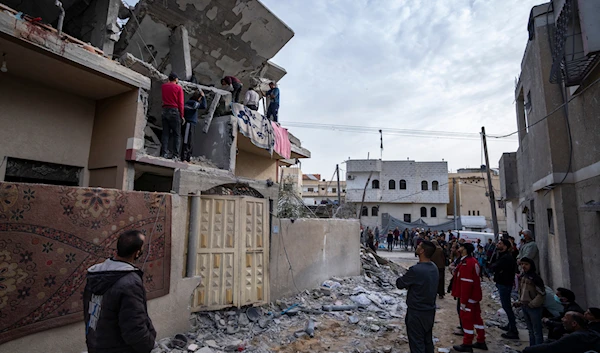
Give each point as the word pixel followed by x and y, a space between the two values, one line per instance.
pixel 317 249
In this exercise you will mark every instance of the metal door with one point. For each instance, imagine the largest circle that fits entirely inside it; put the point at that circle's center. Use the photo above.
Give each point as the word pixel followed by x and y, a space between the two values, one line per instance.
pixel 232 252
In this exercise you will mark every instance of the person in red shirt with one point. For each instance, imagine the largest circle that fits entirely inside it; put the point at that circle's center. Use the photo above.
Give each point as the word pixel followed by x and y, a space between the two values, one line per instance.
pixel 172 116
pixel 466 286
pixel 236 84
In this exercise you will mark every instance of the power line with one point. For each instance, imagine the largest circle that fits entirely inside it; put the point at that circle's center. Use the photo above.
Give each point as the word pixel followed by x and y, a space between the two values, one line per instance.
pixel 549 114
pixel 388 131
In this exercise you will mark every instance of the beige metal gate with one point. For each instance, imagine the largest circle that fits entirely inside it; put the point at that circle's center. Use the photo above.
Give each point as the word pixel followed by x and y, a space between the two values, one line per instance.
pixel 232 253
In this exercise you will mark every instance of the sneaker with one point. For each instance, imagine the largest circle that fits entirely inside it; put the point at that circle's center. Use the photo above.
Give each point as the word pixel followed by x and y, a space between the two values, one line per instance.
pixel 511 335
pixel 480 345
pixel 463 348
pixel 459 332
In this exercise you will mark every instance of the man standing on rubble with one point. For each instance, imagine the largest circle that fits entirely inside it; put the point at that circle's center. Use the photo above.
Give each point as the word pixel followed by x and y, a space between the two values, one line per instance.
pixel 172 116
pixel 421 280
pixel 273 109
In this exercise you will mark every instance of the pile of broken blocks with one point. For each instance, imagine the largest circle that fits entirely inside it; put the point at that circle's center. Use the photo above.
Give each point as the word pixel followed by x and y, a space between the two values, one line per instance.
pixel 369 304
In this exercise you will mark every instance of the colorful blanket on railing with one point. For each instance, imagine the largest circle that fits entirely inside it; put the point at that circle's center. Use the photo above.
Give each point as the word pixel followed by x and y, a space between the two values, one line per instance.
pixel 254 126
pixel 282 141
pixel 51 235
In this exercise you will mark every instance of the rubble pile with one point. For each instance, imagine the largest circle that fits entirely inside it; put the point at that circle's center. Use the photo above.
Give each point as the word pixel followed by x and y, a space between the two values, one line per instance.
pixel 357 314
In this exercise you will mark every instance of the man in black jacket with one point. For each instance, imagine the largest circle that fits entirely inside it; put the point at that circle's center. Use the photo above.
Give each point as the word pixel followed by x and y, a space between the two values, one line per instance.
pixel 504 268
pixel 115 311
pixel 592 315
pixel 579 340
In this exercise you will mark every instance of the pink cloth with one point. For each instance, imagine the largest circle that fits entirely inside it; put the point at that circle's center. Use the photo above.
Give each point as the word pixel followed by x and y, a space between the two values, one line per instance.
pixel 282 141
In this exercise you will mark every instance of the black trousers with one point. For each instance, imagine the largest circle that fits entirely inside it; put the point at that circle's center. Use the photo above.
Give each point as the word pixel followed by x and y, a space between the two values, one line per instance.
pixel 442 281
pixel 419 328
pixel 189 133
pixel 171 130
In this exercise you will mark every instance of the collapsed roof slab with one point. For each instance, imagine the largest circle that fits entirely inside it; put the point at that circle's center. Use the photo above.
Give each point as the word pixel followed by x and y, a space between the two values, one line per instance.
pixel 227 37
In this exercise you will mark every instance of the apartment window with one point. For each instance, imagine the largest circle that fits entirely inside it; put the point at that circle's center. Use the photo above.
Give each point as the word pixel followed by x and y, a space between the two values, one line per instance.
pixel 469 212
pixel 424 185
pixel 435 185
pixel 311 189
pixel 333 189
pixel 423 211
pixel 407 217
pixel 392 185
pixel 402 184
pixel 29 171
pixel 374 211
pixel 375 184
pixel 550 221
pixel 433 212
pixel 365 211
pixel 478 213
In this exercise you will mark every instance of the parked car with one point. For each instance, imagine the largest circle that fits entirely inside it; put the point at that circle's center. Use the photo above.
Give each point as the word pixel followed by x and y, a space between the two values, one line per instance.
pixel 471 237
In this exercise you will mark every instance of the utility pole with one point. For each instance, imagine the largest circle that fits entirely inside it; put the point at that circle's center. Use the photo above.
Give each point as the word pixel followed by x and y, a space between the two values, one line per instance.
pixel 490 187
pixel 363 197
pixel 454 198
pixel 339 192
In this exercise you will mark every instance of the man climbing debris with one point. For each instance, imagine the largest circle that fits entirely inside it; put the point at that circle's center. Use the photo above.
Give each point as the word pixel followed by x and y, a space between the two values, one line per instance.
pixel 196 101
pixel 234 85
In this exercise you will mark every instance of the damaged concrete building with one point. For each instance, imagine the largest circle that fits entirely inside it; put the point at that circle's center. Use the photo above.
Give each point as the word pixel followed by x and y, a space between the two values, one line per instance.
pixel 81 110
pixel 550 185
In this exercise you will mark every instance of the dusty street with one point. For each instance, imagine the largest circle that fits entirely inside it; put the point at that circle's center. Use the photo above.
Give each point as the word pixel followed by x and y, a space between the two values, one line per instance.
pixel 371 321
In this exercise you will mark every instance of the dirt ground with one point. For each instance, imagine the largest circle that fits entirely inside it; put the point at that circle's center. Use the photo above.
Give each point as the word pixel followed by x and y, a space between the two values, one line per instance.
pixel 336 334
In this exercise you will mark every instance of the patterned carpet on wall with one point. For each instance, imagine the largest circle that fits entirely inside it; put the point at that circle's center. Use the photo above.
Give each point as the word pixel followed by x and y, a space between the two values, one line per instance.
pixel 50 235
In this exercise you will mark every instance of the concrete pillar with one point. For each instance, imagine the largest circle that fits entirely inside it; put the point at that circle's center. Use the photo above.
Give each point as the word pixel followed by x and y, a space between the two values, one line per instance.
pixel 100 27
pixel 181 62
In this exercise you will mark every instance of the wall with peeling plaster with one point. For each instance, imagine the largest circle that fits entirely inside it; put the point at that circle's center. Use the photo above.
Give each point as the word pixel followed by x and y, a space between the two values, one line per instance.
pixel 227 37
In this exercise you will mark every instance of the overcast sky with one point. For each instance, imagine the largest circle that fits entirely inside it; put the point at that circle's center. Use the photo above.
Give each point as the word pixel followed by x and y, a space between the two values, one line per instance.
pixel 439 65
pixel 444 65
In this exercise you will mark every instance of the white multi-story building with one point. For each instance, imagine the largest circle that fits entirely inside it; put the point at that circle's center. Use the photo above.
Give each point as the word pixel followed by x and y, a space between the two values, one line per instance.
pixel 406 190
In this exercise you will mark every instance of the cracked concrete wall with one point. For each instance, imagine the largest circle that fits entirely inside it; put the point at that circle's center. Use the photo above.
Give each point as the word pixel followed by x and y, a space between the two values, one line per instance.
pixel 219 144
pixel 317 249
pixel 227 37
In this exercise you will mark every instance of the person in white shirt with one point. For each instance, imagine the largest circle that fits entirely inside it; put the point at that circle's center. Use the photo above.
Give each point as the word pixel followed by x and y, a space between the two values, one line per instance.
pixel 252 99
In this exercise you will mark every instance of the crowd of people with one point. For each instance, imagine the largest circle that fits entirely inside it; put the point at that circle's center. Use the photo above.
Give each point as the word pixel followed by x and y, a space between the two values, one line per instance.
pixel 514 268
pixel 179 117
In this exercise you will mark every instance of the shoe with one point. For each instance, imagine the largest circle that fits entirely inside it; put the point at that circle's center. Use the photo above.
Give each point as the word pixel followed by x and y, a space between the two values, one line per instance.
pixel 463 348
pixel 480 345
pixel 510 335
pixel 441 297
pixel 459 333
pixel 504 328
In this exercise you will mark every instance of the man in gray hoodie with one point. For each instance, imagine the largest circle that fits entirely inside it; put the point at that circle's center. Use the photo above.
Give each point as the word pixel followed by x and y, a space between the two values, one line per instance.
pixel 114 300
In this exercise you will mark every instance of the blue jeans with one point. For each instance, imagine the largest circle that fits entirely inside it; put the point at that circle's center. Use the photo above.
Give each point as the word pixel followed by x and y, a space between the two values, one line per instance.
pixel 504 292
pixel 273 111
pixel 533 319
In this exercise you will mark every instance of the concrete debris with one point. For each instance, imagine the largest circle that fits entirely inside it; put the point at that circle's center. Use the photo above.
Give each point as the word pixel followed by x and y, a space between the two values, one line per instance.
pixel 356 308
